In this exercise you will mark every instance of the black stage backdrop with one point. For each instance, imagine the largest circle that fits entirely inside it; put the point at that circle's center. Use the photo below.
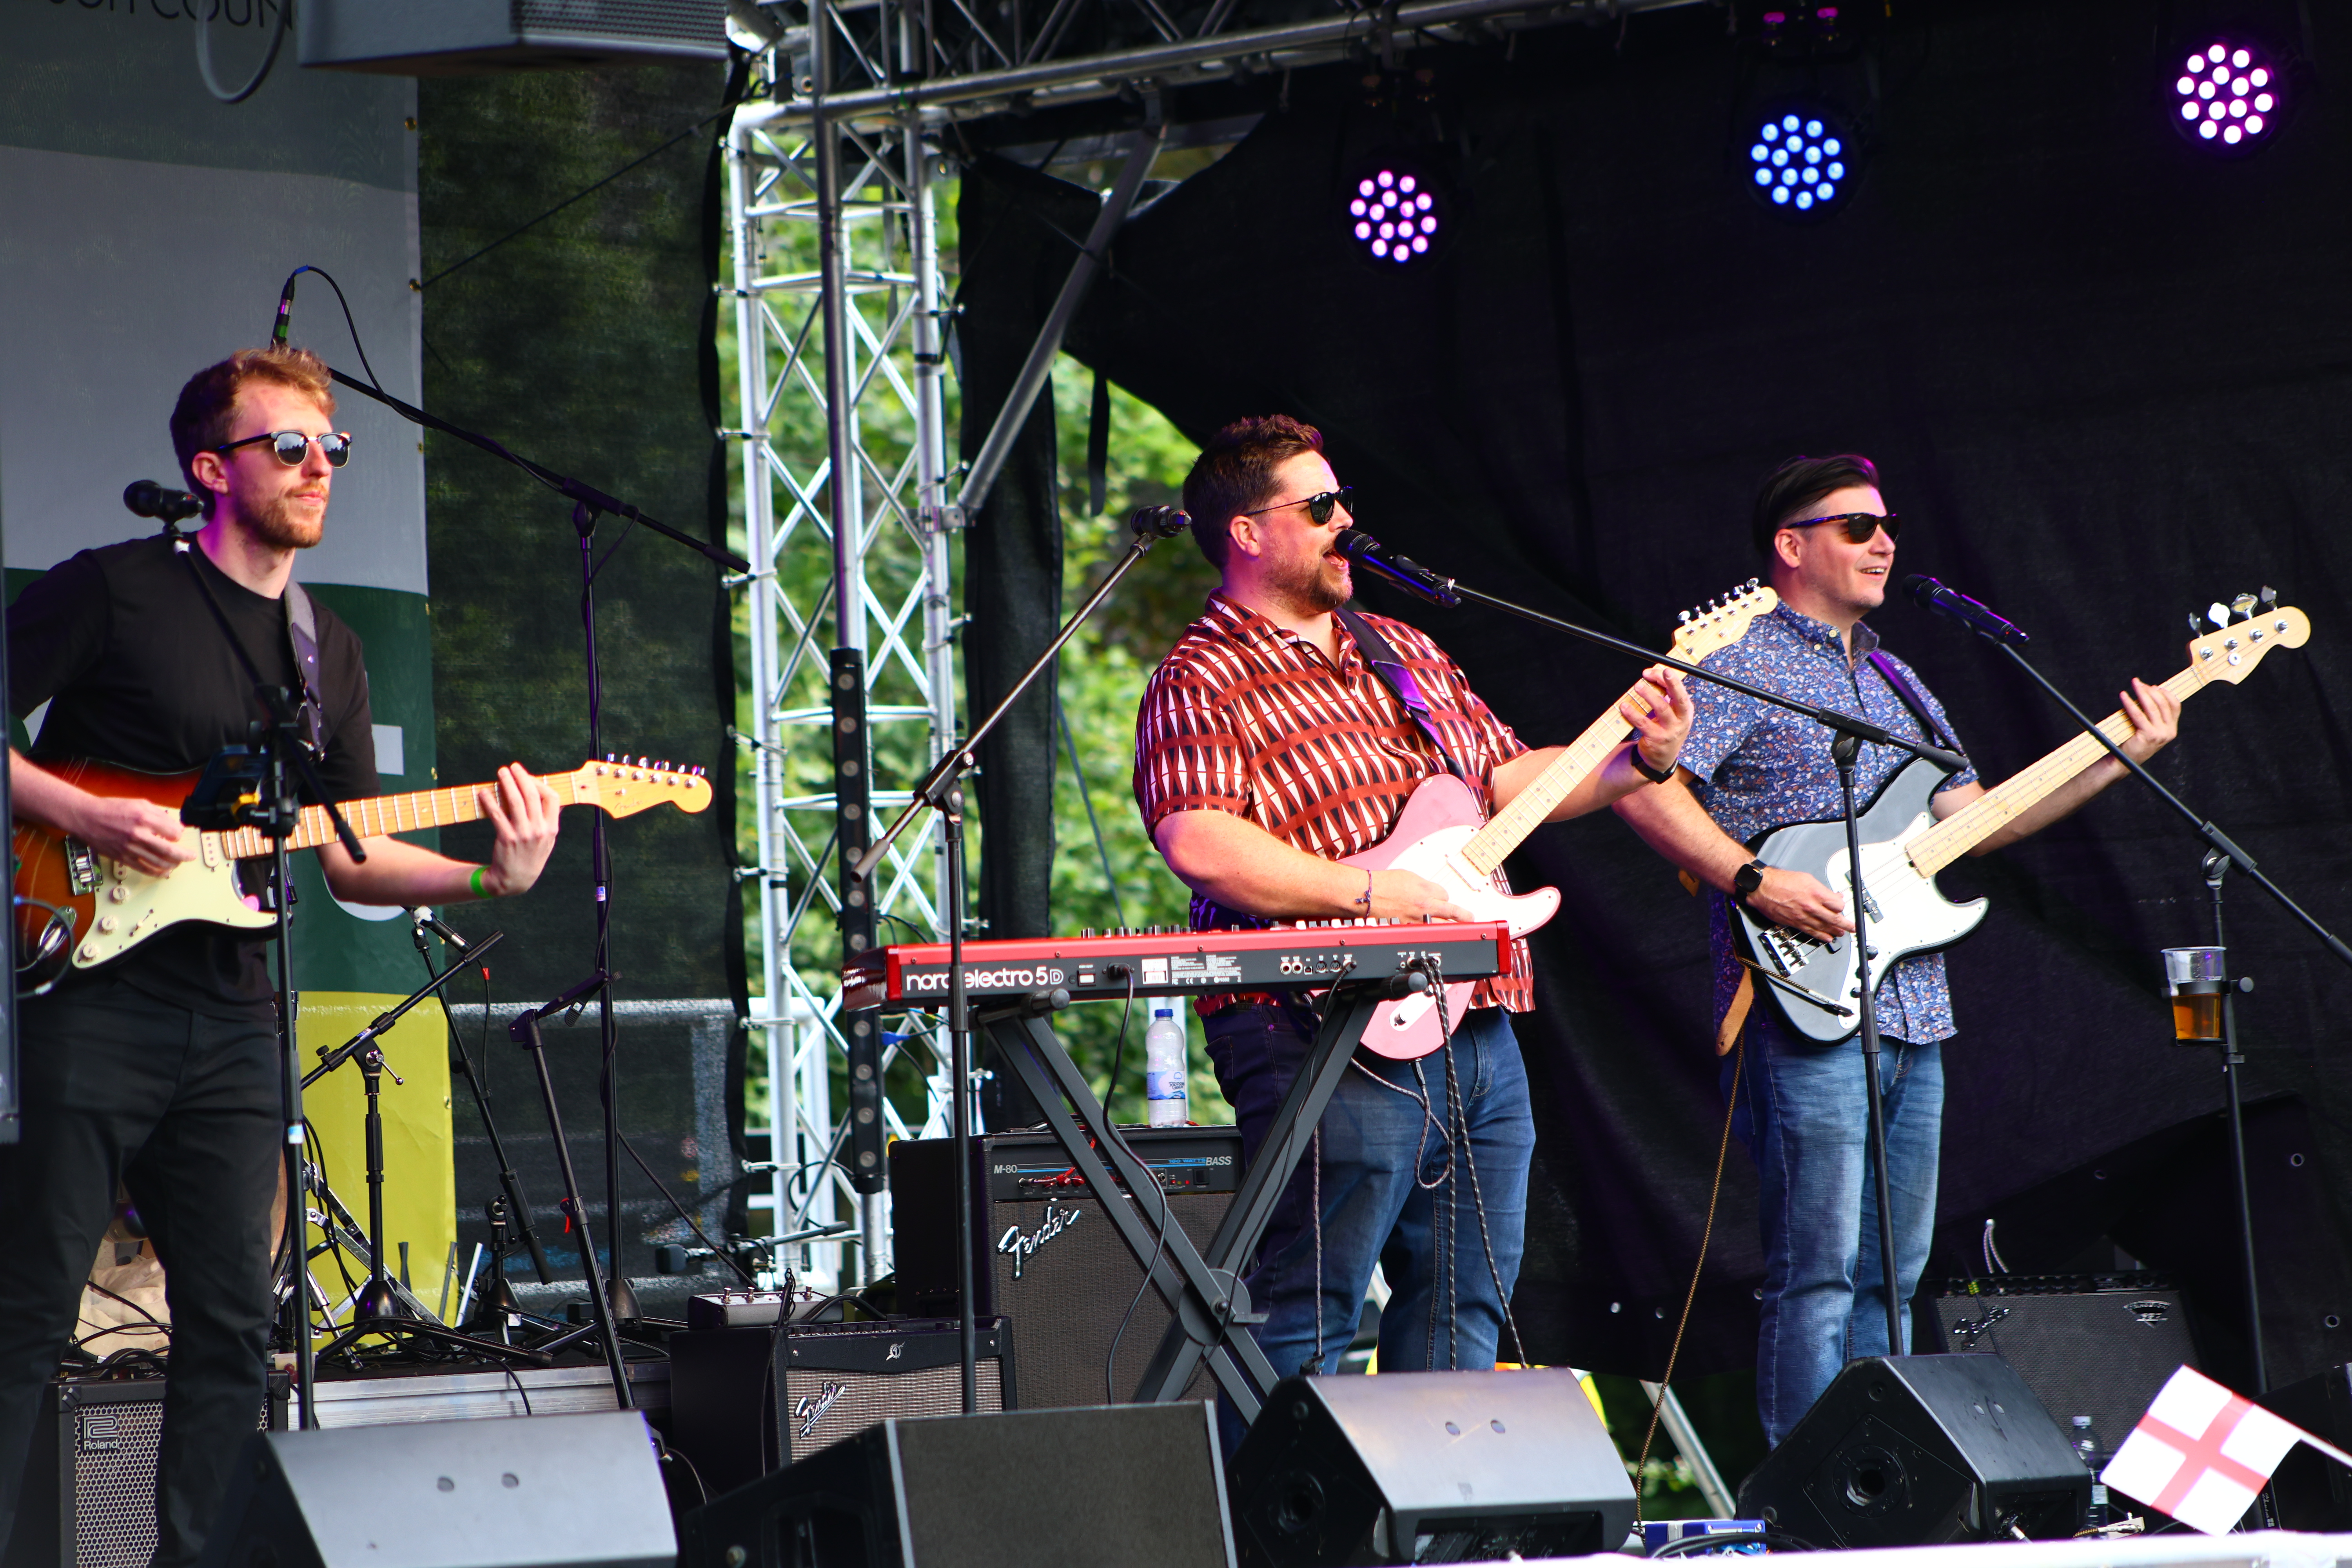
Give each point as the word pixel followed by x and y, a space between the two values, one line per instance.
pixel 572 320
pixel 2108 380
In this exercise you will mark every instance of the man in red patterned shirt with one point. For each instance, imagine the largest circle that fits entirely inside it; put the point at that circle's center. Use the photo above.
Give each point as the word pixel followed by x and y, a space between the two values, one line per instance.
pixel 1268 748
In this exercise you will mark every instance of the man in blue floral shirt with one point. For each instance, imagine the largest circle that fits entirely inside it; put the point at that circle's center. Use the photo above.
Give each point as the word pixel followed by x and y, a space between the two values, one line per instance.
pixel 1748 768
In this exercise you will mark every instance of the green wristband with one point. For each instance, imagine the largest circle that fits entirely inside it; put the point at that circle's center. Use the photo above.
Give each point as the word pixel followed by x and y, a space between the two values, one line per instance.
pixel 474 882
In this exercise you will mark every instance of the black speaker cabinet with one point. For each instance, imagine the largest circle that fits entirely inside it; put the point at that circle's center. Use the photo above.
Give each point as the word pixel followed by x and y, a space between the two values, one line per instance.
pixel 1920 1450
pixel 89 1498
pixel 543 1491
pixel 1047 1259
pixel 744 1402
pixel 2099 1346
pixel 1428 1466
pixel 2313 1491
pixel 1134 1486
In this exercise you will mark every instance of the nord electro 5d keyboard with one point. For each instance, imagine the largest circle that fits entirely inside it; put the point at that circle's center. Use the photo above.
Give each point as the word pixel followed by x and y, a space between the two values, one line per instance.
pixel 1313 954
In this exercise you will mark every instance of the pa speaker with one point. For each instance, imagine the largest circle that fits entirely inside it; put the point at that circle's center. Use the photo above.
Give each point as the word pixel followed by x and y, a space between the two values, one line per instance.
pixel 1125 1486
pixel 1428 1466
pixel 2313 1492
pixel 546 1491
pixel 1919 1450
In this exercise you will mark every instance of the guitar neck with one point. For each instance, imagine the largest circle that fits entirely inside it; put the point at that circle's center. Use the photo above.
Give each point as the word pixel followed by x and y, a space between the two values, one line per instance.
pixel 381 817
pixel 1996 808
pixel 1487 849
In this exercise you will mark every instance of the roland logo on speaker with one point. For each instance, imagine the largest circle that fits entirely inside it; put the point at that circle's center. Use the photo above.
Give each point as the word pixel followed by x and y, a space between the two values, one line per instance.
pixel 100 1432
pixel 1021 1248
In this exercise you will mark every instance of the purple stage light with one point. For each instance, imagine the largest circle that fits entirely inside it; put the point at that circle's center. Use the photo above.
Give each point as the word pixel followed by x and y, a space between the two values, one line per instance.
pixel 1800 163
pixel 1394 215
pixel 2230 96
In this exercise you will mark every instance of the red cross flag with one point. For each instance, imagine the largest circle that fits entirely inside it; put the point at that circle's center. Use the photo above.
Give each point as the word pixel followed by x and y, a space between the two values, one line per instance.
pixel 2202 1453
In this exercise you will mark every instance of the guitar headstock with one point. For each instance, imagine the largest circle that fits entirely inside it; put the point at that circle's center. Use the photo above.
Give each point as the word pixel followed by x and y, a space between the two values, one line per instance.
pixel 1719 623
pixel 620 785
pixel 2243 630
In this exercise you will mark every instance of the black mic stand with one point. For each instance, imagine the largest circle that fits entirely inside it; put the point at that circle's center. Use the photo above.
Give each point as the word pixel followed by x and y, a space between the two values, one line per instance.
pixel 589 503
pixel 941 791
pixel 1447 593
pixel 2217 844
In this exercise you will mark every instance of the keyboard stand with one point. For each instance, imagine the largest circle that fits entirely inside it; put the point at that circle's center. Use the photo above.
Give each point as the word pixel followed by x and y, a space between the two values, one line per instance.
pixel 1209 1304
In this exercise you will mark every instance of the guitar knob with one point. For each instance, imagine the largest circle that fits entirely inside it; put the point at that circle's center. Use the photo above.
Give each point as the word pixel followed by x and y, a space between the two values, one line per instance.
pixel 107 923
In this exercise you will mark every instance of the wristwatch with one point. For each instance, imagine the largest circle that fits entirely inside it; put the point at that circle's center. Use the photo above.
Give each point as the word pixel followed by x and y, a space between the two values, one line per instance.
pixel 1746 880
pixel 1655 775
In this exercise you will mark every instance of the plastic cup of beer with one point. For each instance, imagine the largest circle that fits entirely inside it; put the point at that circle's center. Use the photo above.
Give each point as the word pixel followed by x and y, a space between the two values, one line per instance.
pixel 2195 978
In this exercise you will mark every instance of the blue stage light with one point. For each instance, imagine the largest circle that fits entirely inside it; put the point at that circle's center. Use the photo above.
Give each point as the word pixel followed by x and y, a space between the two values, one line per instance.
pixel 1799 158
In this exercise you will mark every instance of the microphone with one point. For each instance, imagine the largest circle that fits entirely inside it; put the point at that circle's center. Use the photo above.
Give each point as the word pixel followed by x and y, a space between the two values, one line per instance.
pixel 1405 572
pixel 1930 594
pixel 145 498
pixel 424 916
pixel 285 308
pixel 1158 522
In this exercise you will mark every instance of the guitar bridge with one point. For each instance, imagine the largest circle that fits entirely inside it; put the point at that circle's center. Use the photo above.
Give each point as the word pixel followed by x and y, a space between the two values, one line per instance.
pixel 81 866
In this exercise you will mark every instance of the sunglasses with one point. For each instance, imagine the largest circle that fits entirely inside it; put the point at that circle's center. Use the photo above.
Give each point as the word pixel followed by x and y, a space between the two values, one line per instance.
pixel 291 447
pixel 1859 525
pixel 1319 507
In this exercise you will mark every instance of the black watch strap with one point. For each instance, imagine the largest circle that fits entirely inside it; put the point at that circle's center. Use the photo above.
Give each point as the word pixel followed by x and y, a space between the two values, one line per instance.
pixel 1640 766
pixel 1746 880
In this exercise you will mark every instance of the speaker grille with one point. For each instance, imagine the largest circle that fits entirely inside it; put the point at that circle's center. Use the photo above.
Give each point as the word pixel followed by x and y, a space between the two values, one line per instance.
pixel 114 1449
pixel 2100 1353
pixel 822 1407
pixel 642 21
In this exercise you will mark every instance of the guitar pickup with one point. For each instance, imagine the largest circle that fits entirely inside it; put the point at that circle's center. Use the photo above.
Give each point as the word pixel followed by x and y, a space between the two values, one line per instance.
pixel 81 866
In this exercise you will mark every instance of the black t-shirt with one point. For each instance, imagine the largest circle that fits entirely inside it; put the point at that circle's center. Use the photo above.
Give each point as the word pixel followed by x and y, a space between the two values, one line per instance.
pixel 121 645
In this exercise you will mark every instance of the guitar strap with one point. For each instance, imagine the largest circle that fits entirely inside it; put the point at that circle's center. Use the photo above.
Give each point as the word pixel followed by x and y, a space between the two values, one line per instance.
pixel 1392 669
pixel 1910 699
pixel 302 637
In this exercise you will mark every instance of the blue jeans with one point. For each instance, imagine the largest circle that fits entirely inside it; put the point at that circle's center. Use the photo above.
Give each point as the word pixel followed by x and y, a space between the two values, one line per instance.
pixel 1804 1115
pixel 1449 1274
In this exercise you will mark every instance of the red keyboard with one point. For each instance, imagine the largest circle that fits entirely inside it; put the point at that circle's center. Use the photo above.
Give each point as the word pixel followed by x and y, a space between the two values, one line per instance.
pixel 1178 962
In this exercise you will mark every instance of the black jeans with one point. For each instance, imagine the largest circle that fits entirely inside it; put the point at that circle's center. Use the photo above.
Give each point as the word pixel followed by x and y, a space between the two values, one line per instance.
pixel 185 1111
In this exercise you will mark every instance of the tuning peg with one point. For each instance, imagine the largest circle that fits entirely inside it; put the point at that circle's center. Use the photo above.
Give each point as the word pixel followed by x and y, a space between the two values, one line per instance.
pixel 2244 605
pixel 2219 613
pixel 1684 617
pixel 1753 583
pixel 2269 596
pixel 2195 625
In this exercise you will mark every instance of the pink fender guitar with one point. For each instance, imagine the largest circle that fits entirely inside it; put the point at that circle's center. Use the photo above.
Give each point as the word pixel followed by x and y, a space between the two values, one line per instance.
pixel 1443 836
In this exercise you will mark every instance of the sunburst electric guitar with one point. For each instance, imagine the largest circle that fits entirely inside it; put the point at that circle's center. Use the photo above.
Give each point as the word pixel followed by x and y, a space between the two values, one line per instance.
pixel 75 908
pixel 1445 835
pixel 1817 982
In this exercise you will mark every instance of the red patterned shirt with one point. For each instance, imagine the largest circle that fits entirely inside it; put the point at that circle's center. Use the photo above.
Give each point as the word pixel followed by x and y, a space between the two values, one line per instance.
pixel 1247 718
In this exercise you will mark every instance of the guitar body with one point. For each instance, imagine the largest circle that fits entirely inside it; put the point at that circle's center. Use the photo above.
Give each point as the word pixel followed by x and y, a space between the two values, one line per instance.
pixel 1908 913
pixel 1439 818
pixel 74 908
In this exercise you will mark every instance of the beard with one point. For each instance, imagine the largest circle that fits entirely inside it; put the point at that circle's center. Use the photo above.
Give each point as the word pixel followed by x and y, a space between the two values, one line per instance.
pixel 276 522
pixel 1314 587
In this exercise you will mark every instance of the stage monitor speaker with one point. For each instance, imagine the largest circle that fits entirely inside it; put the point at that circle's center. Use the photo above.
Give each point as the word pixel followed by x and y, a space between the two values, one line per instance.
pixel 2094 1345
pixel 1428 1466
pixel 536 1491
pixel 89 1497
pixel 1046 1259
pixel 2313 1491
pixel 1920 1450
pixel 1129 1486
pixel 744 1402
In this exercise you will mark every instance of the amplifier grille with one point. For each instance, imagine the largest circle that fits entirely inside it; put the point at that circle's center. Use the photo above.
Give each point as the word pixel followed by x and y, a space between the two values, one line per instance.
pixel 826 1406
pixel 2100 1353
pixel 114 1447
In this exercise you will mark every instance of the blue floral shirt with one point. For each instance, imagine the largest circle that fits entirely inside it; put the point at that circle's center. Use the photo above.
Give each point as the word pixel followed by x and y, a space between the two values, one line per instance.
pixel 1760 767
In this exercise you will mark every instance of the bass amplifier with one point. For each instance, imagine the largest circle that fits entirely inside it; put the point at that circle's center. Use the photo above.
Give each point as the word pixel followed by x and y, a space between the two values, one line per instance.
pixel 1047 1259
pixel 2086 1344
pixel 749 1401
pixel 89 1498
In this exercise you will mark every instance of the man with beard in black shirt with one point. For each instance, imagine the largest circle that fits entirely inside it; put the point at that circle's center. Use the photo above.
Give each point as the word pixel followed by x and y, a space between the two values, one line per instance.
pixel 159 1070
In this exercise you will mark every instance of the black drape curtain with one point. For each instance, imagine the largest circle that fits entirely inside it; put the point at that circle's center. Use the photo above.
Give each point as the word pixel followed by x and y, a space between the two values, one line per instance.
pixel 2107 379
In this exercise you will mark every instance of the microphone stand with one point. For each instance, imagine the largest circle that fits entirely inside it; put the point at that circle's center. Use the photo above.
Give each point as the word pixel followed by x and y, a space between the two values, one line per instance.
pixel 1851 732
pixel 589 503
pixel 2222 853
pixel 941 791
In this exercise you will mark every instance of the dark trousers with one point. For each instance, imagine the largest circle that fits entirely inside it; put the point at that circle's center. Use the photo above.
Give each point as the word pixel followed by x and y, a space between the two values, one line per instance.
pixel 185 1111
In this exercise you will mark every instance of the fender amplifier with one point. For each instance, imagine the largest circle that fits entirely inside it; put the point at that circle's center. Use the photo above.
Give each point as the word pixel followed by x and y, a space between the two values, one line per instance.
pixel 1047 1260
pixel 746 1401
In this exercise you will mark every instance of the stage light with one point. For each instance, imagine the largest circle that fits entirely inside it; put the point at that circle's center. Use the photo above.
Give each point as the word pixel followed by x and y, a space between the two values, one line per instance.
pixel 1395 214
pixel 1800 161
pixel 2230 96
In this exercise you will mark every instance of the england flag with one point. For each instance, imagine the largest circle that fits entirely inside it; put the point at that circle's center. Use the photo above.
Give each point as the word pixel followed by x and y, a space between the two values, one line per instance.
pixel 2202 1453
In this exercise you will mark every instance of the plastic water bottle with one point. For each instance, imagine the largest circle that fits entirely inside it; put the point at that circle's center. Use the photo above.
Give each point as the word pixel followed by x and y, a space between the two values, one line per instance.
pixel 2093 1455
pixel 1164 1069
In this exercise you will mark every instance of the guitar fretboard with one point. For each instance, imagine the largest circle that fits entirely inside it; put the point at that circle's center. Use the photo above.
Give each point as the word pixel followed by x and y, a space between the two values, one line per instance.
pixel 1996 808
pixel 1488 847
pixel 380 816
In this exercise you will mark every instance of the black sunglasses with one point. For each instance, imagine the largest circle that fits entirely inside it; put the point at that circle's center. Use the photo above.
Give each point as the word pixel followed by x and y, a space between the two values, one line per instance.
pixel 1859 525
pixel 291 447
pixel 1319 507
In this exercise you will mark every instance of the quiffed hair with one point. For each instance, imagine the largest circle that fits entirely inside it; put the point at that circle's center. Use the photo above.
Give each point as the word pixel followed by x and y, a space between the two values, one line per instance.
pixel 1797 484
pixel 206 411
pixel 1234 474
